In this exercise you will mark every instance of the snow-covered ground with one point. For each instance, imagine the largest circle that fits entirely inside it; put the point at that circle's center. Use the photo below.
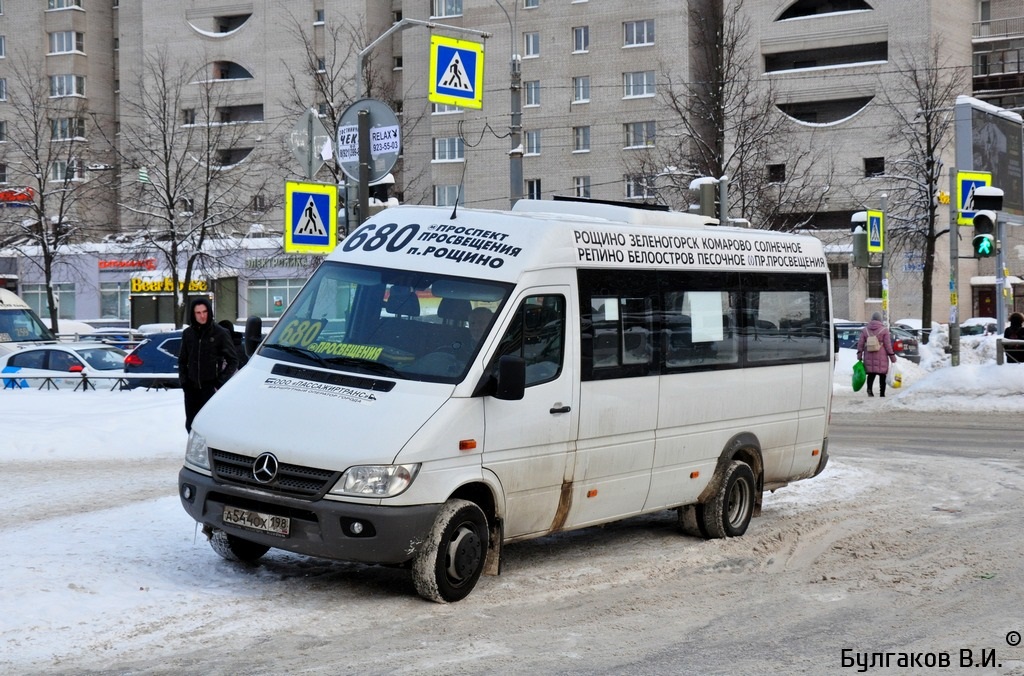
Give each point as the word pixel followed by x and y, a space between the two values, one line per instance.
pixel 102 570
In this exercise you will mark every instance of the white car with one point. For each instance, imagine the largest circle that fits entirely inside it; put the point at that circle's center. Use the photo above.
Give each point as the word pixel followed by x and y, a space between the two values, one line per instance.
pixel 62 365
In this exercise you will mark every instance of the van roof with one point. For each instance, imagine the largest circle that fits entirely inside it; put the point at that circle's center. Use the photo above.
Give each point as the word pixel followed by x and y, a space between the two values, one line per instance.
pixel 536 234
pixel 9 299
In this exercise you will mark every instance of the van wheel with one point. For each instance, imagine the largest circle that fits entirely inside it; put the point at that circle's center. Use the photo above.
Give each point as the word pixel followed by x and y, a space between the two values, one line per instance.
pixel 448 565
pixel 728 512
pixel 236 549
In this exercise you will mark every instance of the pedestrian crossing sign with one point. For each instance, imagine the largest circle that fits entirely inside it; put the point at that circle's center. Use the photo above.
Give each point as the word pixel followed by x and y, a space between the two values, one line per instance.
pixel 456 72
pixel 876 231
pixel 310 217
pixel 966 183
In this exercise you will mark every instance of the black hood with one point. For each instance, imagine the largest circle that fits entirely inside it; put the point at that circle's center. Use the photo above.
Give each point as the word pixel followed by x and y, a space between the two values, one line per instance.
pixel 192 312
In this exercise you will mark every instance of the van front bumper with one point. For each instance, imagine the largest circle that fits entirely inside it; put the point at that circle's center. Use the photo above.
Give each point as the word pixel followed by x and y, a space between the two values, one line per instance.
pixel 324 528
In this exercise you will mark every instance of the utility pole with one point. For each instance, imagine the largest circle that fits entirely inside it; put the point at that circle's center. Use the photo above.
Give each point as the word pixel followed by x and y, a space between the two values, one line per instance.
pixel 954 271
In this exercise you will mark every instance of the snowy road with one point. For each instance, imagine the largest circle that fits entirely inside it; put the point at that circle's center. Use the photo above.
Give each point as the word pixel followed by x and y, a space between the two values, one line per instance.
pixel 887 551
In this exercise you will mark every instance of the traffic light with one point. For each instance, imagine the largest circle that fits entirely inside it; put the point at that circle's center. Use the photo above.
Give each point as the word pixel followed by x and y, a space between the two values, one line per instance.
pixel 984 241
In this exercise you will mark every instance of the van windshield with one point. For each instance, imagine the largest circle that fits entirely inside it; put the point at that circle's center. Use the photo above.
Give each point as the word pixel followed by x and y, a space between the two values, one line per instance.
pixel 396 323
pixel 21 325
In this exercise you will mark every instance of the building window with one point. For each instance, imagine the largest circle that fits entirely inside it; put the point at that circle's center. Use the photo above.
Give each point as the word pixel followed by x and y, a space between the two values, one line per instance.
pixel 875 282
pixel 188 116
pixel 580 39
pixel 63 170
pixel 443 109
pixel 838 271
pixel 3 131
pixel 581 186
pixel 322 109
pixel 67 85
pixel 65 128
pixel 269 297
pixel 775 173
pixel 531 44
pixel 532 90
pixel 533 189
pixel 640 83
pixel 639 134
pixel 396 63
pixel 531 4
pixel 451 149
pixel 636 33
pixel 260 202
pixel 3 46
pixel 533 142
pixel 581 89
pixel 321 65
pixel 447 7
pixel 3 89
pixel 445 195
pixel 114 300
pixel 638 187
pixel 65 42
pixel 35 296
pixel 581 139
pixel 3 173
pixel 874 166
pixel 318 17
pixel 62 4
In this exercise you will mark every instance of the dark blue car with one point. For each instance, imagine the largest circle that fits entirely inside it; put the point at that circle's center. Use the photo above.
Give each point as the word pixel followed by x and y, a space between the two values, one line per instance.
pixel 158 353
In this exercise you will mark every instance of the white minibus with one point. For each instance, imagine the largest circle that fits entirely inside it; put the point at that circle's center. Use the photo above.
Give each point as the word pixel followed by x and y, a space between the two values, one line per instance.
pixel 19 325
pixel 448 382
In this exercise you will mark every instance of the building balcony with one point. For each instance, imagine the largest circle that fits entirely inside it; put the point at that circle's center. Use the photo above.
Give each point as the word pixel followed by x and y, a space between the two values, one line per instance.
pixel 998 28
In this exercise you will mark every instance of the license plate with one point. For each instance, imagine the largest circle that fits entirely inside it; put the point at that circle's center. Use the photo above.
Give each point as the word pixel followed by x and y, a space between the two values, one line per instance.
pixel 264 523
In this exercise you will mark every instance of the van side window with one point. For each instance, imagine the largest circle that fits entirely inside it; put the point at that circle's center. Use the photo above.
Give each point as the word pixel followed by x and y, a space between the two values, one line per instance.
pixel 538 336
pixel 635 323
pixel 699 327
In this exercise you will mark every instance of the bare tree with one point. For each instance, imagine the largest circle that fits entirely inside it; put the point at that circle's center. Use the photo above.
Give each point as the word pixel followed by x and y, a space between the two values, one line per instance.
pixel 46 156
pixel 920 99
pixel 191 167
pixel 724 122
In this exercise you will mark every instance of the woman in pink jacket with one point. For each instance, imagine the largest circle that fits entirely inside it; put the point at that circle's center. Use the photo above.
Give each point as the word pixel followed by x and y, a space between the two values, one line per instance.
pixel 876 361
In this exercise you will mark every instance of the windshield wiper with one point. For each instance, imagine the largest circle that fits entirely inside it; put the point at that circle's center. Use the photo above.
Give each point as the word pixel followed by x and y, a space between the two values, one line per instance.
pixel 374 366
pixel 300 351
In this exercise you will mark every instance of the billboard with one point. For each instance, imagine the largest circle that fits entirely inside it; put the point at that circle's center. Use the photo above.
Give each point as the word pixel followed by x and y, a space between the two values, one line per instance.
pixel 990 139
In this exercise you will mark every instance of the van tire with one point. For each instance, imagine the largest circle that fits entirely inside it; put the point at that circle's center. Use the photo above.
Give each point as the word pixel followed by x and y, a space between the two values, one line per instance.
pixel 235 548
pixel 727 514
pixel 447 566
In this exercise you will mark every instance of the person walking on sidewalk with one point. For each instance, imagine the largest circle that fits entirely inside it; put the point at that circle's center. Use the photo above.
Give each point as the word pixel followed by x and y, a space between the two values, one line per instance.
pixel 874 348
pixel 206 358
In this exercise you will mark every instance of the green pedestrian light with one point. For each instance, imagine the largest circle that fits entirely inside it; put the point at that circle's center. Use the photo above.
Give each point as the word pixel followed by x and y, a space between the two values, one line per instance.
pixel 984 241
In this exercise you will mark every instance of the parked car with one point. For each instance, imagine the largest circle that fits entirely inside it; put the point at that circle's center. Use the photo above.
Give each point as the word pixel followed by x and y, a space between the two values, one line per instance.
pixel 157 353
pixel 979 326
pixel 63 363
pixel 904 342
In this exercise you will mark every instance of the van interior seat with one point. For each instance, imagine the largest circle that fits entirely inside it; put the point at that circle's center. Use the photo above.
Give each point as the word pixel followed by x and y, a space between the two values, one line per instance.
pixel 402 302
pixel 454 310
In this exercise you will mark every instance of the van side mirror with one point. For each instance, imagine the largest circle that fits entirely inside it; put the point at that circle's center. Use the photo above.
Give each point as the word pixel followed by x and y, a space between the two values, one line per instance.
pixel 253 335
pixel 511 385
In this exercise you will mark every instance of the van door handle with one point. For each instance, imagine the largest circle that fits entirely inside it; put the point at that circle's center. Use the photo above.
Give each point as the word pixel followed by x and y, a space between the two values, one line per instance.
pixel 559 409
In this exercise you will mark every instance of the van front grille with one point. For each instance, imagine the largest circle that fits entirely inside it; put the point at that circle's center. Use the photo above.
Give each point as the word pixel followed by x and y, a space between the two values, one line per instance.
pixel 294 480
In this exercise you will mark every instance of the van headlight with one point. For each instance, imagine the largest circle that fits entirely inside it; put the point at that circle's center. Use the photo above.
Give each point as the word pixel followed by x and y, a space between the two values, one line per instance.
pixel 197 453
pixel 379 481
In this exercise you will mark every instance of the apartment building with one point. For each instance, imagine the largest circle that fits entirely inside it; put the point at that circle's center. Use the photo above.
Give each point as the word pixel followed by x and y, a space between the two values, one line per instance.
pixel 595 83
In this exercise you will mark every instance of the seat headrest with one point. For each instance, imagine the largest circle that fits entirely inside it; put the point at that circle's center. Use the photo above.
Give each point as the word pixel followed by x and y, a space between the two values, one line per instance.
pixel 455 309
pixel 402 301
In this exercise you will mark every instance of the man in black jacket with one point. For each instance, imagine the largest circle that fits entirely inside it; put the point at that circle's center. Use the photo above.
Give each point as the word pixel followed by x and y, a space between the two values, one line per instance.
pixel 206 361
